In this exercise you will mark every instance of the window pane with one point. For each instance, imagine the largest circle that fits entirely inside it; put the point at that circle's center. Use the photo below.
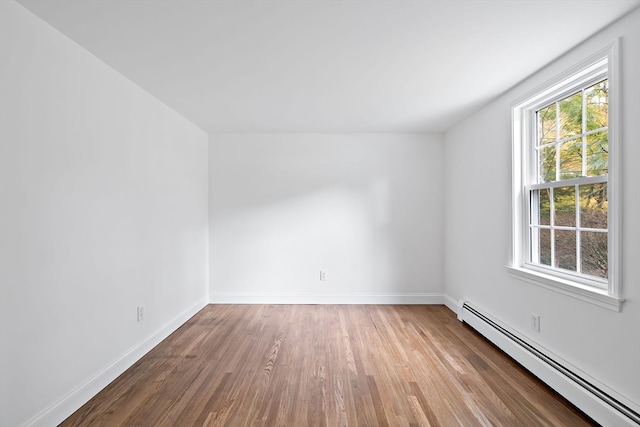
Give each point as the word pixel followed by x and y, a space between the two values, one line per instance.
pixel 545 247
pixel 547 125
pixel 564 201
pixel 564 167
pixel 548 164
pixel 598 154
pixel 544 209
pixel 593 206
pixel 571 116
pixel 565 244
pixel 571 159
pixel 597 105
pixel 593 247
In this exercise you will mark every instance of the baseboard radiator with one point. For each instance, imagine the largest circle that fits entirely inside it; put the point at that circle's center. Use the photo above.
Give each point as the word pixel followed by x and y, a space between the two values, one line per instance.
pixel 591 399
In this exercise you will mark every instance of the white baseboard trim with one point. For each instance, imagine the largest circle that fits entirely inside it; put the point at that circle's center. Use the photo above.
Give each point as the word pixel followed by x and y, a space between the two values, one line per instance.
pixel 453 305
pixel 595 399
pixel 252 298
pixel 68 404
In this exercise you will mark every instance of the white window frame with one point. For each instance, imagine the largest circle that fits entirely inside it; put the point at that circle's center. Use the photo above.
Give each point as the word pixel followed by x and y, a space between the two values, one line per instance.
pixel 606 292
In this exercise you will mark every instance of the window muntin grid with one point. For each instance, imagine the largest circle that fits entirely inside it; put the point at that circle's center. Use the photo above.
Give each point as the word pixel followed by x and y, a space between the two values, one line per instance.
pixel 568 202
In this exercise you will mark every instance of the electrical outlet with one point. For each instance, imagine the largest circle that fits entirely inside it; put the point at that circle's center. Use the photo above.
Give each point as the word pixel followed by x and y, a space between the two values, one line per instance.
pixel 534 321
pixel 323 276
pixel 140 313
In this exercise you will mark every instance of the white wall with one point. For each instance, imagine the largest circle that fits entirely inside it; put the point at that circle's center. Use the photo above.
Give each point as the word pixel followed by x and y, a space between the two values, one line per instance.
pixel 103 208
pixel 600 342
pixel 367 209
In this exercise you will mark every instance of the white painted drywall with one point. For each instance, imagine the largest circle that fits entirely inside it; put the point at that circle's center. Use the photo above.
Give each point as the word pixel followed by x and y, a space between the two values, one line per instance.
pixel 103 208
pixel 602 343
pixel 366 209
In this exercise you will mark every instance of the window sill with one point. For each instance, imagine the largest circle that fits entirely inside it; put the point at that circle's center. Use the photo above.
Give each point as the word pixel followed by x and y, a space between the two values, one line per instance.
pixel 566 287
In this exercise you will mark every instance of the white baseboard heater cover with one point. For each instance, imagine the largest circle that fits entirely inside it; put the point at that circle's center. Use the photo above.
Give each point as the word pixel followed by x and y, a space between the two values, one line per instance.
pixel 568 382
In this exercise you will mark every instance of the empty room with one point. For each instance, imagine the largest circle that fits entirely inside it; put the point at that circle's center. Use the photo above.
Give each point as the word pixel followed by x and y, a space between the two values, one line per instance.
pixel 319 213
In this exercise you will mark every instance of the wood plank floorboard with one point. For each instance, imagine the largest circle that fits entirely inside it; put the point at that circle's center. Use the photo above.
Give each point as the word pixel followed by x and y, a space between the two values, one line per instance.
pixel 326 365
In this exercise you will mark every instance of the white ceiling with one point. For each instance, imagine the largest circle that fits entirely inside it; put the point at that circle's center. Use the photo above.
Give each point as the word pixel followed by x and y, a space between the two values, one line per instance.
pixel 327 65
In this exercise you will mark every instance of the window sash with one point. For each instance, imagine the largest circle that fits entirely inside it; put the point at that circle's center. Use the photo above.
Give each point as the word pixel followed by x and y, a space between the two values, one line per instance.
pixel 558 251
pixel 533 227
pixel 532 183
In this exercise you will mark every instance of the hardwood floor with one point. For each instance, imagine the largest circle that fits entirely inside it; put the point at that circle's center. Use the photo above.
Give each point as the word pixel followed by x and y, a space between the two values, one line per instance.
pixel 326 365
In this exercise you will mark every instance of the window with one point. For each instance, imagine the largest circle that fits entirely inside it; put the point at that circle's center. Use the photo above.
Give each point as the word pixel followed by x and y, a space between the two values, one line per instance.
pixel 565 228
